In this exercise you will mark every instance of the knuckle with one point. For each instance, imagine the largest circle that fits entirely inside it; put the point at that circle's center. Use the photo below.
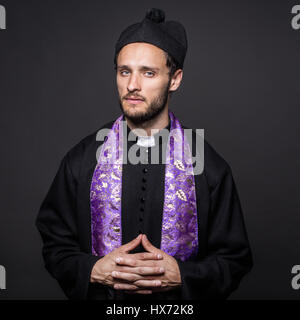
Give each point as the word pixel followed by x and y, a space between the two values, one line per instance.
pixel 143 271
pixel 143 256
pixel 133 262
pixel 132 277
pixel 139 283
pixel 133 287
pixel 139 270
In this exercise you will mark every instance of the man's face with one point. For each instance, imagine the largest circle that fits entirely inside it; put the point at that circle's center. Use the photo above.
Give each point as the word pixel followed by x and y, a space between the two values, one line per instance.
pixel 143 81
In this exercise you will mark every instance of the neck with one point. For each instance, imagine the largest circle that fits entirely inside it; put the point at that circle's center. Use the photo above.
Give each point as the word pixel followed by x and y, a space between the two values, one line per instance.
pixel 152 126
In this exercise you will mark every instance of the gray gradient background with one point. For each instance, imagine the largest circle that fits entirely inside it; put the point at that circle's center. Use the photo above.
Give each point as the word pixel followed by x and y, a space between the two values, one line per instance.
pixel 241 84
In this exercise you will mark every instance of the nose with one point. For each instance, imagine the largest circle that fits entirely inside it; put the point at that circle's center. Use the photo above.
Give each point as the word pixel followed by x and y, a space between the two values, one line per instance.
pixel 134 83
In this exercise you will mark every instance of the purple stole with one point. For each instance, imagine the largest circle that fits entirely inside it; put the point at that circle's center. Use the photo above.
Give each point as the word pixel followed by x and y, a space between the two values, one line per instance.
pixel 179 236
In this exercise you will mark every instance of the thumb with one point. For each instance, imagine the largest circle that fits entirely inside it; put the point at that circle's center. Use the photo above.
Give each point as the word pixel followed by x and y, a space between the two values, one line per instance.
pixel 132 244
pixel 147 245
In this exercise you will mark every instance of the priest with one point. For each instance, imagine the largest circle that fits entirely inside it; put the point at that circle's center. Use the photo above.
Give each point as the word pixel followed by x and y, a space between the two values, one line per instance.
pixel 128 215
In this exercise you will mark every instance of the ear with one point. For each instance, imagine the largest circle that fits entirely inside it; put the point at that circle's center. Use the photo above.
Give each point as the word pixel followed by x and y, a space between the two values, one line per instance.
pixel 176 80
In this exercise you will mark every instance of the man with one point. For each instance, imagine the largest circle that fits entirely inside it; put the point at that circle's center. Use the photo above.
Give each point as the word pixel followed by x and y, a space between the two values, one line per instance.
pixel 127 229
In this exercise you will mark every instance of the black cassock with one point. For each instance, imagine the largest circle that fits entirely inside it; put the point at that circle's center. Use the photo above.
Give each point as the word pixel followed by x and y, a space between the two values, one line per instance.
pixel 64 222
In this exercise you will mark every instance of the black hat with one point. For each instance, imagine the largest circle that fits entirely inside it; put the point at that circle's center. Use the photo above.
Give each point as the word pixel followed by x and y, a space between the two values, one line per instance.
pixel 170 36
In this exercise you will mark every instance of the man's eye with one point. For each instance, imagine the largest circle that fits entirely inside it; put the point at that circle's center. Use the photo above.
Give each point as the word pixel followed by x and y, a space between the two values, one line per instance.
pixel 124 72
pixel 149 73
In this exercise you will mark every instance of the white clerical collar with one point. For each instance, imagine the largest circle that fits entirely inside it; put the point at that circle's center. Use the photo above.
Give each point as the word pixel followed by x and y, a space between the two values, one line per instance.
pixel 146 141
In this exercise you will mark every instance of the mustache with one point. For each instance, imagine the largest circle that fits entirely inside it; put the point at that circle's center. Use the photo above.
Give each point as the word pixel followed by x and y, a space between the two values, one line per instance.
pixel 131 96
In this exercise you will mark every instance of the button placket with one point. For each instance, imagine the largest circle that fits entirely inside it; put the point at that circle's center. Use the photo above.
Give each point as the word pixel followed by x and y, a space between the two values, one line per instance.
pixel 143 197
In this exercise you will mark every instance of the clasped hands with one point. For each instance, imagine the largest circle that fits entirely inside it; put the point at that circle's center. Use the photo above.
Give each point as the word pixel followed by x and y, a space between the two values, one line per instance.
pixel 137 273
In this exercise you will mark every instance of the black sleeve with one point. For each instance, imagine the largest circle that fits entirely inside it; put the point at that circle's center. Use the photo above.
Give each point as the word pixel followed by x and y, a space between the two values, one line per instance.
pixel 56 222
pixel 229 255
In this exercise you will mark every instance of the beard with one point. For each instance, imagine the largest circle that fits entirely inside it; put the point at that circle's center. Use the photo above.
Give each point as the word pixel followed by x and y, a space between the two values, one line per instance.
pixel 155 108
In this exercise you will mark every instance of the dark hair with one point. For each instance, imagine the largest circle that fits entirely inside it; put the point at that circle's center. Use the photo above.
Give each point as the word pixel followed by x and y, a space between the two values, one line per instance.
pixel 171 63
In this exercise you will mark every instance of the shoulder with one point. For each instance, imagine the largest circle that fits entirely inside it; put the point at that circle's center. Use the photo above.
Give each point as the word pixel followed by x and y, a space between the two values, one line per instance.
pixel 85 150
pixel 215 166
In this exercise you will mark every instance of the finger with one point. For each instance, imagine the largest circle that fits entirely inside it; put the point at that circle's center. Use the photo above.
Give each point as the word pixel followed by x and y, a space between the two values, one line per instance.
pixel 126 261
pixel 137 273
pixel 148 283
pixel 147 271
pixel 125 286
pixel 139 292
pixel 123 267
pixel 147 256
pixel 126 276
pixel 123 261
pixel 132 244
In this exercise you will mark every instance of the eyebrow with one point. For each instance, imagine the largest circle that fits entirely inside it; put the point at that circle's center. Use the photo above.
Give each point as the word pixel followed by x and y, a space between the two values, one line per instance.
pixel 142 68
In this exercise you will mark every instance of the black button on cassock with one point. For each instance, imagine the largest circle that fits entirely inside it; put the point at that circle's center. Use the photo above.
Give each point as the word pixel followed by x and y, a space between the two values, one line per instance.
pixel 145 170
pixel 143 199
